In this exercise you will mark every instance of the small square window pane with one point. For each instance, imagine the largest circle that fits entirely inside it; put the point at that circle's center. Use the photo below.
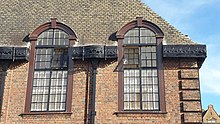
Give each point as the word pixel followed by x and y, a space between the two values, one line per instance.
pixel 148 106
pixel 57 33
pixel 144 72
pixel 148 49
pixel 153 49
pixel 152 39
pixel 143 80
pixel 137 89
pixel 126 105
pixel 131 88
pixel 143 56
pixel 126 81
pixel 149 72
pixel 137 105
pixel 130 61
pixel 149 63
pixel 40 90
pixel 63 98
pixel 155 88
pixel 148 55
pixel 126 97
pixel 155 97
pixel 54 82
pixel 154 72
pixel 49 34
pixel 132 72
pixel 135 97
pixel 137 73
pixel 52 106
pixel 154 56
pixel 143 49
pixel 149 80
pixel 132 81
pixel 147 89
pixel 44 106
pixel 132 105
pixel 144 40
pixel 155 80
pixel 33 106
pixel 59 106
pixel 126 72
pixel 154 63
pixel 143 63
pixel 144 97
pixel 156 105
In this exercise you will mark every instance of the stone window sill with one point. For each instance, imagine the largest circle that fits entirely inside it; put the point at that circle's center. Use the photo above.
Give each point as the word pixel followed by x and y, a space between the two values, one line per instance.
pixel 45 113
pixel 118 113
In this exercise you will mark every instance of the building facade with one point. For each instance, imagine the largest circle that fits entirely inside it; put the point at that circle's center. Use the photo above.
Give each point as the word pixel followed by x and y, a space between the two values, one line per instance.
pixel 83 61
pixel 210 116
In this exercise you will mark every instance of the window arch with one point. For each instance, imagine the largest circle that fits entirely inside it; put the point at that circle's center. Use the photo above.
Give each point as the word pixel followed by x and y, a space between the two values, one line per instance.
pixel 50 70
pixel 141 85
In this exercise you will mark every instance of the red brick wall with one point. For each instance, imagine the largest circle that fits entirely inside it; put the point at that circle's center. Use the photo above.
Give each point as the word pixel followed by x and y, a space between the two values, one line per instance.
pixel 178 109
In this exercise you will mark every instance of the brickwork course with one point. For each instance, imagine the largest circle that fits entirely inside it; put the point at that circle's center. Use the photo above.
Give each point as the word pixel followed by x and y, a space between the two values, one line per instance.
pixel 94 21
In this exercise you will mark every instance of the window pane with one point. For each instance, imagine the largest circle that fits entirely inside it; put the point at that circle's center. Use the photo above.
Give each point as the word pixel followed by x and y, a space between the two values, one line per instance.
pixel 131 56
pixel 126 106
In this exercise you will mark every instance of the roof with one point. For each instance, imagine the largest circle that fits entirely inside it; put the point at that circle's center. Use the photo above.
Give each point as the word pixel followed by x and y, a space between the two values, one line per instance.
pixel 93 21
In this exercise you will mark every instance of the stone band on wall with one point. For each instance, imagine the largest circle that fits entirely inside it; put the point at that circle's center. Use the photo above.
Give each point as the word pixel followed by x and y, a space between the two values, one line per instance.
pixel 14 53
pixel 94 52
pixel 186 51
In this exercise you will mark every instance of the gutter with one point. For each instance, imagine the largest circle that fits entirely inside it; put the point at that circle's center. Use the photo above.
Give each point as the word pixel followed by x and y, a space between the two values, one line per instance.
pixel 95 64
pixel 5 66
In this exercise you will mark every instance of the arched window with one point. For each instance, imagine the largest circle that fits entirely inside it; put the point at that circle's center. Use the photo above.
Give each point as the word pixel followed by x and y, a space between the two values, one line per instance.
pixel 50 77
pixel 141 86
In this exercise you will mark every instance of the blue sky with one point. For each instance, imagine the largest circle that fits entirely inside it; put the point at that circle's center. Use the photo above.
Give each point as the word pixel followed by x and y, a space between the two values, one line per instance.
pixel 200 19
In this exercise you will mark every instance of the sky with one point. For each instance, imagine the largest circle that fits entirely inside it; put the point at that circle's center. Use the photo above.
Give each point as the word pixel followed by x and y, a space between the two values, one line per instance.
pixel 200 20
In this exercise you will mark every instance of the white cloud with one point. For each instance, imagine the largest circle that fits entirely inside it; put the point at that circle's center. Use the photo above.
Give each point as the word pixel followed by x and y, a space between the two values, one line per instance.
pixel 210 71
pixel 210 78
pixel 177 12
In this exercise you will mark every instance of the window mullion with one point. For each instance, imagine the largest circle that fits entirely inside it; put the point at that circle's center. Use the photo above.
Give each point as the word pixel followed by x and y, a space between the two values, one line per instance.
pixel 140 75
pixel 51 62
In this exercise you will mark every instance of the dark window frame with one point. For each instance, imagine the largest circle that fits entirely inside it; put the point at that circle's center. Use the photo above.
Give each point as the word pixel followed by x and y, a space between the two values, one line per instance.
pixel 140 23
pixel 33 38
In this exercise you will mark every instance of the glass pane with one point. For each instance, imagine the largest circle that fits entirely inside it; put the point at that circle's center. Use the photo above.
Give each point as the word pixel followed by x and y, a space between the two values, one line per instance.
pixel 154 56
pixel 153 49
pixel 60 58
pixel 137 105
pixel 151 40
pixel 126 97
pixel 156 105
pixel 154 72
pixel 155 97
pixel 147 88
pixel 40 90
pixel 148 106
pixel 126 105
pixel 146 32
pixel 148 63
pixel 154 63
pixel 154 80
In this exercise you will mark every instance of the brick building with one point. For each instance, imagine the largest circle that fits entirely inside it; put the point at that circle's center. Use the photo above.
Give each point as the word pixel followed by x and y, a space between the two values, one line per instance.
pixel 83 61
pixel 210 116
